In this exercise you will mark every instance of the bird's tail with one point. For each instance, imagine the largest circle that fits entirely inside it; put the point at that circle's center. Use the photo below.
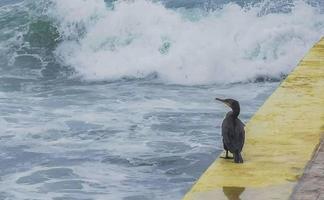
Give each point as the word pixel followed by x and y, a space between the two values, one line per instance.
pixel 238 157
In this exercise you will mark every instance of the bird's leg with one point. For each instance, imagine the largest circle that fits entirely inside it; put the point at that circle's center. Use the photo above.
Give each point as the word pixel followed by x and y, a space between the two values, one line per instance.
pixel 226 156
pixel 241 159
pixel 238 157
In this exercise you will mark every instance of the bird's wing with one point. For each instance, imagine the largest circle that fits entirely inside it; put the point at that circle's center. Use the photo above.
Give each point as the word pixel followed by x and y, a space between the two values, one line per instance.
pixel 240 134
pixel 227 136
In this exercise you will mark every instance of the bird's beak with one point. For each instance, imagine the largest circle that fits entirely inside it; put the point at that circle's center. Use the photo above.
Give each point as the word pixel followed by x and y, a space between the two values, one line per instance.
pixel 222 100
pixel 218 99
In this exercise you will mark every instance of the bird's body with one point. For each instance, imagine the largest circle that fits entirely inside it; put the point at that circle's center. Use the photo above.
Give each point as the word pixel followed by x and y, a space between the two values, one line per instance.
pixel 233 131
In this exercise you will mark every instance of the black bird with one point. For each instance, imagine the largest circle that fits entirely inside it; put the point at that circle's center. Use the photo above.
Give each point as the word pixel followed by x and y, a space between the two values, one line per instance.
pixel 233 130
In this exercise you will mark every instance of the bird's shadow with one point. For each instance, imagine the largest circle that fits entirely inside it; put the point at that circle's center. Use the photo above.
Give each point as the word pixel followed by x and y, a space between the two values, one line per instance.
pixel 233 193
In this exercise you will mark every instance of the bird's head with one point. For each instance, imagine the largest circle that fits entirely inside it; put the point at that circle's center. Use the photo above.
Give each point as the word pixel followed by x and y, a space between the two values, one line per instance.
pixel 232 103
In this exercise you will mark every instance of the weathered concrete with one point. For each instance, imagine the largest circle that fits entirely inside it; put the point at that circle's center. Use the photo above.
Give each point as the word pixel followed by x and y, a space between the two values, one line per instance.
pixel 311 185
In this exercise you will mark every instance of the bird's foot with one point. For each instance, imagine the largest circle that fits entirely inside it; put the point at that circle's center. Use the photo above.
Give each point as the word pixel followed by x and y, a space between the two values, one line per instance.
pixel 238 161
pixel 227 157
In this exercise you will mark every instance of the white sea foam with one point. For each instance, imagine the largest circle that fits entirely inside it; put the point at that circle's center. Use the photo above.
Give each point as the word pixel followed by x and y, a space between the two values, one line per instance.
pixel 139 38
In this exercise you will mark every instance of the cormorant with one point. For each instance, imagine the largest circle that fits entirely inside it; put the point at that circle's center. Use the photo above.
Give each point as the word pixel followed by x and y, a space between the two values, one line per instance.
pixel 233 130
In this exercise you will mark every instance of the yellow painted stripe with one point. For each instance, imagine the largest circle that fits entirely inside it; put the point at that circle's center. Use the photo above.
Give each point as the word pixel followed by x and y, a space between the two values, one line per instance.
pixel 280 140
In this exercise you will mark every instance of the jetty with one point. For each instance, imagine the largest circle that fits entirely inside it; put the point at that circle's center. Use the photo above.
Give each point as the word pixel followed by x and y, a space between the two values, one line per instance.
pixel 284 151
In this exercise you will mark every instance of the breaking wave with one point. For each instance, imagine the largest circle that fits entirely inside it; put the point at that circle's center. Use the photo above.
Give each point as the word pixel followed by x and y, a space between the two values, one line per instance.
pixel 138 39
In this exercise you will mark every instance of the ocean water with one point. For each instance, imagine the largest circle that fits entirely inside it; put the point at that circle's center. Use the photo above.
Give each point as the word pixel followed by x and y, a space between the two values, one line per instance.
pixel 113 100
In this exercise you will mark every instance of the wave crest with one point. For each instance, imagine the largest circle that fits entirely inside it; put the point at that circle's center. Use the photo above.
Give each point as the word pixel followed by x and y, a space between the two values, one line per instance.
pixel 138 38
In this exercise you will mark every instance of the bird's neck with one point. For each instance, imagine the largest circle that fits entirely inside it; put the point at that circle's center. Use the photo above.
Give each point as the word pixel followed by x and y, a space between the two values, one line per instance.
pixel 236 111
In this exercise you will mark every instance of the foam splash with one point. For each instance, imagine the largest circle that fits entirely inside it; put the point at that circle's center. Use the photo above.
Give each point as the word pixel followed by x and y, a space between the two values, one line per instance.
pixel 139 38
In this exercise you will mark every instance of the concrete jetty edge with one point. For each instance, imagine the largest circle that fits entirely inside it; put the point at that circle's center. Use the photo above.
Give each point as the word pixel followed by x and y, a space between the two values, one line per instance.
pixel 281 139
